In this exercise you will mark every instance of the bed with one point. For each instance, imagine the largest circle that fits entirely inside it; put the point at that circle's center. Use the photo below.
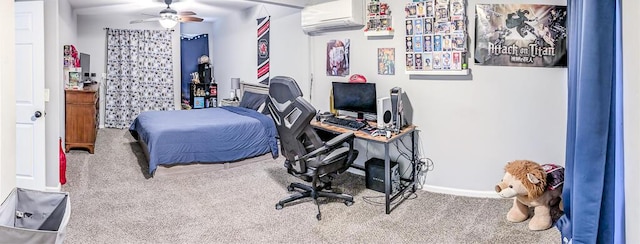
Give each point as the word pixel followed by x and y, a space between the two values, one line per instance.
pixel 212 135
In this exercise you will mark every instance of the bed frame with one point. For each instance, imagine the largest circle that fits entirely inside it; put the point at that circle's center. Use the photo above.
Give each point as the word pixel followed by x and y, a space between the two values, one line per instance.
pixel 252 87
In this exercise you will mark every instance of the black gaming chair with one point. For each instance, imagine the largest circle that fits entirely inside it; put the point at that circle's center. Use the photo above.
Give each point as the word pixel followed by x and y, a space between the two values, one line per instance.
pixel 307 156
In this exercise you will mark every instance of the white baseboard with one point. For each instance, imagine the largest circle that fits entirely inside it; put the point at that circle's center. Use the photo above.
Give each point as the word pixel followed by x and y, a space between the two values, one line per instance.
pixel 57 188
pixel 460 192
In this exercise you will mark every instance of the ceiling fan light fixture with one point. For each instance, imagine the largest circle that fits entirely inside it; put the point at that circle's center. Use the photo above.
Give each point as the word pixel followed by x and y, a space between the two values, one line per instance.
pixel 168 20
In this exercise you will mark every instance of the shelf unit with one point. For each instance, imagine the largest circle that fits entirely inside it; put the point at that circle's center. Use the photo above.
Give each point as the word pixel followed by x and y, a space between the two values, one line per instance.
pixel 438 72
pixel 203 95
pixel 379 21
pixel 379 33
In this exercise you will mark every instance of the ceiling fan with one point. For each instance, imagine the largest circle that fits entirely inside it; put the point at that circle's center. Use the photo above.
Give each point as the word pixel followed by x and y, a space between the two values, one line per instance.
pixel 169 17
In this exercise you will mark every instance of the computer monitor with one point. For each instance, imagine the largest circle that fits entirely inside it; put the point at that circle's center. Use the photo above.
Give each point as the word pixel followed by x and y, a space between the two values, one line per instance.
pixel 355 97
pixel 85 65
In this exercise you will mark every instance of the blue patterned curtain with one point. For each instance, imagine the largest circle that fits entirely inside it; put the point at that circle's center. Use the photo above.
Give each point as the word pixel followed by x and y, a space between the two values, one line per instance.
pixel 191 48
pixel 593 191
pixel 139 74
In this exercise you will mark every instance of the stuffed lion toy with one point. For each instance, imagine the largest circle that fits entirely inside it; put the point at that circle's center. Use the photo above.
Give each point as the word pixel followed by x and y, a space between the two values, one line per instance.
pixel 532 186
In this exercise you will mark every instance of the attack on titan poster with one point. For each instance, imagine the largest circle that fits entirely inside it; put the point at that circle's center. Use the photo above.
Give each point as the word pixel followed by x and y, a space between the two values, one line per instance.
pixel 527 35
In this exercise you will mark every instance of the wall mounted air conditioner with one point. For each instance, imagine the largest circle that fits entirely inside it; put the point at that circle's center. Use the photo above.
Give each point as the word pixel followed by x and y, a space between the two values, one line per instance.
pixel 333 16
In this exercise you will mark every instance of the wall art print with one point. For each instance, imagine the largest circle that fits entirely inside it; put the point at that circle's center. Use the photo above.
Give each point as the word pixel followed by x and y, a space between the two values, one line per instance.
pixel 527 35
pixel 338 57
pixel 386 61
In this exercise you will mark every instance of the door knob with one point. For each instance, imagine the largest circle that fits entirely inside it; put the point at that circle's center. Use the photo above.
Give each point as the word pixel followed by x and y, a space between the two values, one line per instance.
pixel 38 114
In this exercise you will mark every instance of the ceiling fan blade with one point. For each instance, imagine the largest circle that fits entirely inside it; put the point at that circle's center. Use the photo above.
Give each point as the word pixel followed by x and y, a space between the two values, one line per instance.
pixel 150 15
pixel 190 19
pixel 186 13
pixel 143 20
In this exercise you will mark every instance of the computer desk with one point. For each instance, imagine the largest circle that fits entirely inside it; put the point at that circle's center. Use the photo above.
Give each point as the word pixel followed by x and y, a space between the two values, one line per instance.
pixel 407 130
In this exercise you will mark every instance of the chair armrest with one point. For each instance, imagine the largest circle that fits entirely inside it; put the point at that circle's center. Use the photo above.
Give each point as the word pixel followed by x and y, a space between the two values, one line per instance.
pixel 336 141
pixel 340 139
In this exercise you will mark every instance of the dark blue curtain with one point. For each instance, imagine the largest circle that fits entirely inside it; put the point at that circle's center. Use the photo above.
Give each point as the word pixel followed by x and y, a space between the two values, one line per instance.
pixel 594 177
pixel 191 48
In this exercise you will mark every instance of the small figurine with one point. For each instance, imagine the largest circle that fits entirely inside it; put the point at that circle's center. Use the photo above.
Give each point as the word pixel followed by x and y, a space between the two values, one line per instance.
pixel 195 78
pixel 384 9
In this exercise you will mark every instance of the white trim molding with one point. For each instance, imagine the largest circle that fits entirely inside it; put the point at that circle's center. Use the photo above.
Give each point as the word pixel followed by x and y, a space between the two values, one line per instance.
pixel 57 188
pixel 460 192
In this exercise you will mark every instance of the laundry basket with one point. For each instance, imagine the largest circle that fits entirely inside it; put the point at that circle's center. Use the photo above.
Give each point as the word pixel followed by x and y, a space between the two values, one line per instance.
pixel 30 216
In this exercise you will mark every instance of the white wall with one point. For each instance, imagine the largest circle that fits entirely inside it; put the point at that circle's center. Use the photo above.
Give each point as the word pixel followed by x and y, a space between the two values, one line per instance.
pixel 7 101
pixel 92 40
pixel 470 128
pixel 60 29
pixel 234 51
pixel 631 86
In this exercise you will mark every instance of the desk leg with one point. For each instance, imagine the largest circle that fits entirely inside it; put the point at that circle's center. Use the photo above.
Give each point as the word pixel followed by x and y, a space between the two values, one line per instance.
pixel 387 179
pixel 414 173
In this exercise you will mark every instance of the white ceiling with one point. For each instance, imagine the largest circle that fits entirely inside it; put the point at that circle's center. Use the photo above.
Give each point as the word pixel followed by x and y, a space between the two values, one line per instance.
pixel 207 9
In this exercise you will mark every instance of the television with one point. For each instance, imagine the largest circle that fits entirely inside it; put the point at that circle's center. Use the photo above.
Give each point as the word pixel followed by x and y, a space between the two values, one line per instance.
pixel 85 65
pixel 355 97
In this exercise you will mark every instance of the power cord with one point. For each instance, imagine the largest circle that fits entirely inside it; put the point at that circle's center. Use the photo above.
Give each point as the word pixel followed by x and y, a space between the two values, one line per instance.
pixel 424 165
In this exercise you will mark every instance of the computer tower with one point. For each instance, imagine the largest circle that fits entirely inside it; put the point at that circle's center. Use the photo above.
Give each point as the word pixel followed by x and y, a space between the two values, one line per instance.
pixel 396 108
pixel 383 113
pixel 374 173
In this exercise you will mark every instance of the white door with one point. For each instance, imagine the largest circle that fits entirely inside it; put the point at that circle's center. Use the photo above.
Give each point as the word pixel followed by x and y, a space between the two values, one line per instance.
pixel 30 121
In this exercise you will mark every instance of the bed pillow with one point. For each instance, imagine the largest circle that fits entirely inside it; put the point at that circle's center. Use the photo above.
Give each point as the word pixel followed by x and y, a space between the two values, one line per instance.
pixel 252 100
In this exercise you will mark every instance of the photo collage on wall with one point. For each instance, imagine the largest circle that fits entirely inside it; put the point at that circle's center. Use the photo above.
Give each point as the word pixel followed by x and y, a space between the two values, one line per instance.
pixel 436 35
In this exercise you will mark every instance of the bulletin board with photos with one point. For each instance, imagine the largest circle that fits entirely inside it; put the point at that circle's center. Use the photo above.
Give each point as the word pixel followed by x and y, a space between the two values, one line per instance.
pixel 436 36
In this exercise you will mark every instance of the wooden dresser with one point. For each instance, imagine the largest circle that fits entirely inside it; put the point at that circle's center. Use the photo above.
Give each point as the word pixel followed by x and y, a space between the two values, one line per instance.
pixel 81 118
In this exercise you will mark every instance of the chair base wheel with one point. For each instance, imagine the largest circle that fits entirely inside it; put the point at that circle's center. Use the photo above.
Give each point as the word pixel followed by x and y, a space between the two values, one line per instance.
pixel 290 188
pixel 319 217
pixel 279 206
pixel 348 203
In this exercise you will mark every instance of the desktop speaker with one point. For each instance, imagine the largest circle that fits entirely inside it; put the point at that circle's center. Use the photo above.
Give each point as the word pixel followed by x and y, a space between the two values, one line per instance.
pixel 383 107
pixel 396 108
pixel 374 170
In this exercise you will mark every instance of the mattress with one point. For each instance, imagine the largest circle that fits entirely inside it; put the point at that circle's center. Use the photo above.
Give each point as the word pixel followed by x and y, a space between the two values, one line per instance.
pixel 213 135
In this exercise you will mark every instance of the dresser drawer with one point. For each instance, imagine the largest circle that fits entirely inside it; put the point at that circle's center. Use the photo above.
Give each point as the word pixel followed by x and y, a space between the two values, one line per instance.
pixel 81 96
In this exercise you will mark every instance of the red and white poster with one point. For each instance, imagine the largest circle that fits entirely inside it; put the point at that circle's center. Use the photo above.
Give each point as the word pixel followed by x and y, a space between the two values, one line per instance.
pixel 263 50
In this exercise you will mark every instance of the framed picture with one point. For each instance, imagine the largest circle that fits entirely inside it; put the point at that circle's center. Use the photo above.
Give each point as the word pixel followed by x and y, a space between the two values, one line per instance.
pixel 198 102
pixel 386 61
pixel 73 77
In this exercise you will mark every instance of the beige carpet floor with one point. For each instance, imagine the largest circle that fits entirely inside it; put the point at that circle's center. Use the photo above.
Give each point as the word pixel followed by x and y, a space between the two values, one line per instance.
pixel 113 200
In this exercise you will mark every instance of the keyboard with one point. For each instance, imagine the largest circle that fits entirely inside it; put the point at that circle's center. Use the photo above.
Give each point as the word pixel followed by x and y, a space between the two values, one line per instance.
pixel 345 123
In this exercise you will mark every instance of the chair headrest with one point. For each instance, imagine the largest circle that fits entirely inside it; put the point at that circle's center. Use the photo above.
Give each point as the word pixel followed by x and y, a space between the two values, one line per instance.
pixel 283 89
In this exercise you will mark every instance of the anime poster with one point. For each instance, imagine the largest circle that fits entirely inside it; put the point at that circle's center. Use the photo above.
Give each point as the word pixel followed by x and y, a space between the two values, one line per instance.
pixel 386 61
pixel 263 50
pixel 527 35
pixel 338 57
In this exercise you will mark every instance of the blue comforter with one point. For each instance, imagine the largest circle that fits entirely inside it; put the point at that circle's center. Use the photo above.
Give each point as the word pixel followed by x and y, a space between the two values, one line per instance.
pixel 211 135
